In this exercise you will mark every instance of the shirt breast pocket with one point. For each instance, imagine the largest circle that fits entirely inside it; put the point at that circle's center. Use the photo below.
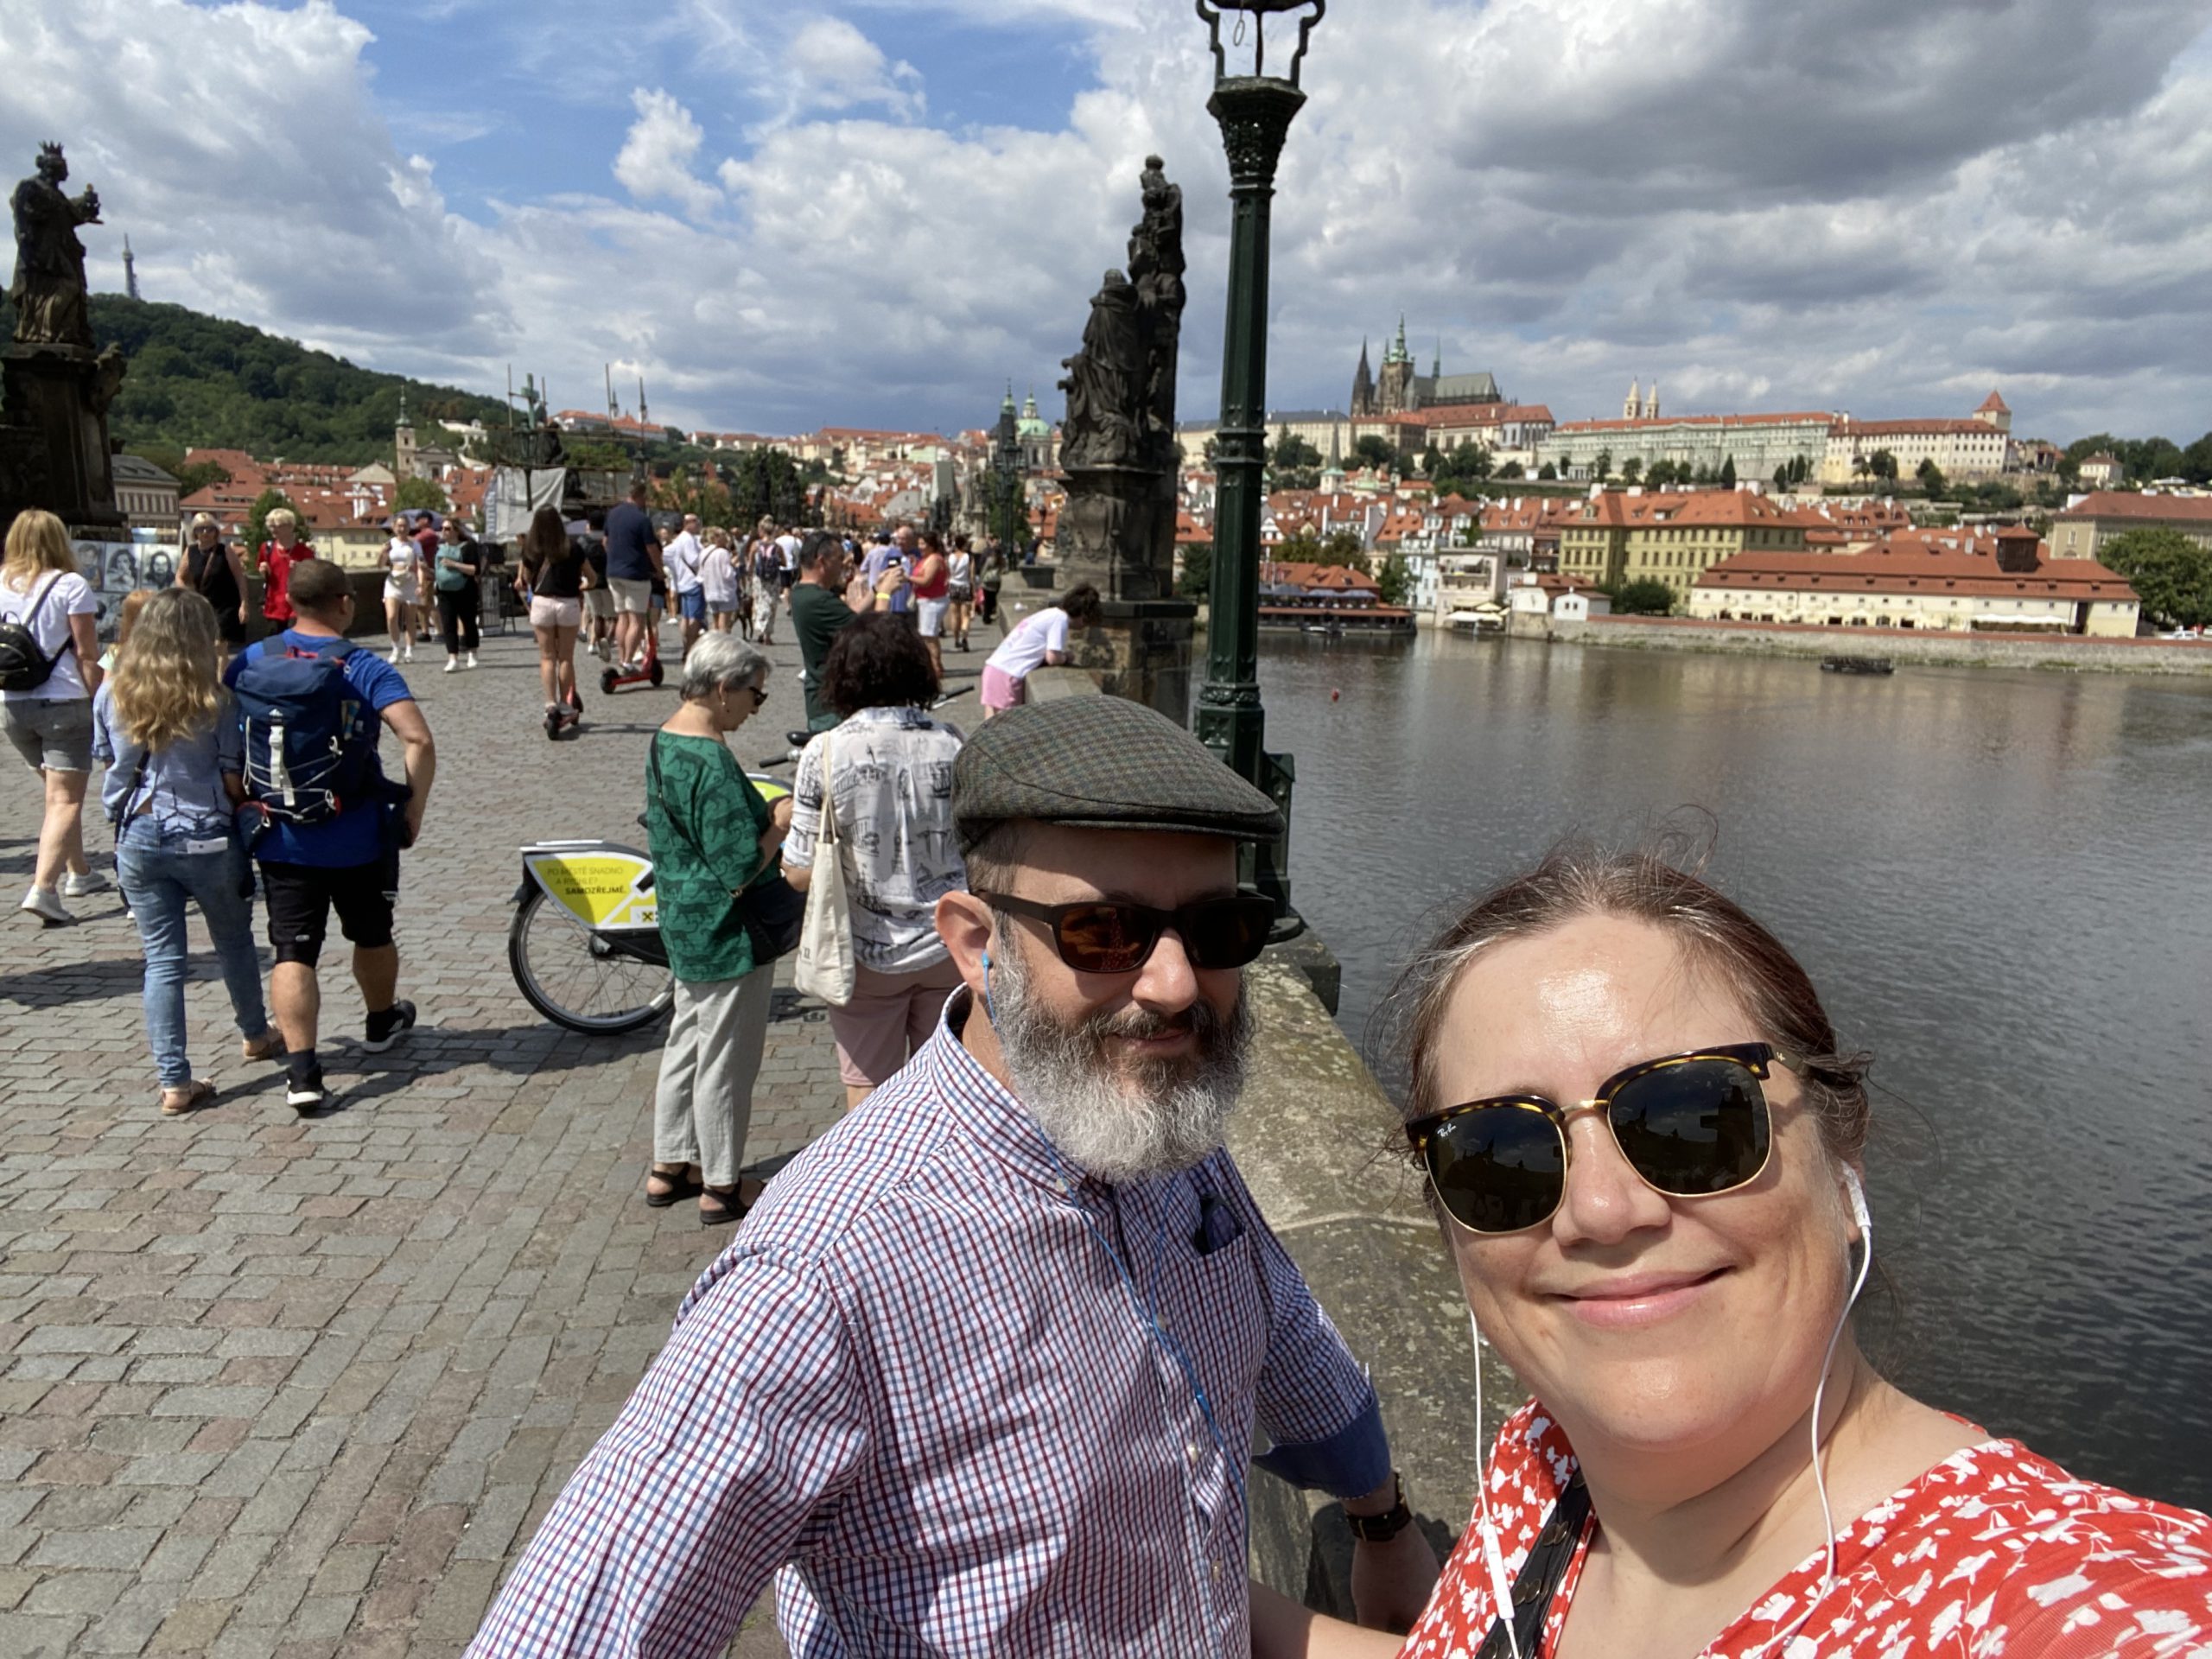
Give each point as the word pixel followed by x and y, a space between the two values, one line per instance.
pixel 1223 1320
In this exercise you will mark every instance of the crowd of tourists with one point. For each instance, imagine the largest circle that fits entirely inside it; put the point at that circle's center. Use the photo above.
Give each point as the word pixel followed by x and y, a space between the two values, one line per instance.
pixel 226 771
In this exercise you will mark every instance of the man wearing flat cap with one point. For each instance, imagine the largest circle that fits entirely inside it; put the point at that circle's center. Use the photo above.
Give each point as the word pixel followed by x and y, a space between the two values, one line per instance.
pixel 980 1374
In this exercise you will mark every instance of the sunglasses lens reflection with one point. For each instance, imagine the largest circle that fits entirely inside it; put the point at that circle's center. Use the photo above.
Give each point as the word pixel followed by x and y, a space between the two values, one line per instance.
pixel 1499 1169
pixel 1693 1129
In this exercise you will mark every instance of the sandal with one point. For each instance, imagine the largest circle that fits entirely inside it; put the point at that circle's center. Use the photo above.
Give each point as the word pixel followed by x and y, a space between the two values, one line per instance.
pixel 729 1203
pixel 677 1185
pixel 267 1046
pixel 181 1103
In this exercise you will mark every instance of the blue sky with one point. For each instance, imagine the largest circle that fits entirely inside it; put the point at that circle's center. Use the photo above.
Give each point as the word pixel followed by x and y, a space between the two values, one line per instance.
pixel 876 211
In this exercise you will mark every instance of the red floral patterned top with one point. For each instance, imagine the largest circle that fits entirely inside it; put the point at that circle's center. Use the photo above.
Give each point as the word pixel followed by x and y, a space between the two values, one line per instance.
pixel 1994 1551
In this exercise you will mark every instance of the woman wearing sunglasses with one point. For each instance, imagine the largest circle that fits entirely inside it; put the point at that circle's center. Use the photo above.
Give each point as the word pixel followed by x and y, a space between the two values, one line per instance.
pixel 1643 1140
pixel 713 836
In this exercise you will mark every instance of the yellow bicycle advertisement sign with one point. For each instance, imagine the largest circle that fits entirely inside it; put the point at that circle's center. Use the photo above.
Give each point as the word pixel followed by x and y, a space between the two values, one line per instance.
pixel 603 889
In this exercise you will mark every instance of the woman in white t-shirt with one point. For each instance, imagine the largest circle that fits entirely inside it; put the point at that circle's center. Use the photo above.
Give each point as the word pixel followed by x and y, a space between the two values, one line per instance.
pixel 402 590
pixel 1039 640
pixel 49 719
pixel 718 581
pixel 960 594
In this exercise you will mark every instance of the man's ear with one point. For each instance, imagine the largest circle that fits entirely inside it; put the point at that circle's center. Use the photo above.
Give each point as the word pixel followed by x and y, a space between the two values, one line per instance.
pixel 965 924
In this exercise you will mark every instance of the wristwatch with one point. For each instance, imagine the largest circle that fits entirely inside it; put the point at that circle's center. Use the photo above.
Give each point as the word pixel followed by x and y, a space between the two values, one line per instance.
pixel 1381 1528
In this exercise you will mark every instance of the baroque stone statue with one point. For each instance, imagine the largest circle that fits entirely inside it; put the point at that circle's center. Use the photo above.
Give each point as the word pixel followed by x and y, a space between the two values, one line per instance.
pixel 1121 386
pixel 48 292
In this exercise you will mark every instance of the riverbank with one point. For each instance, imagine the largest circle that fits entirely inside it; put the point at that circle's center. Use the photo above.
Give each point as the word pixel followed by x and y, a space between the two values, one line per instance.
pixel 2069 653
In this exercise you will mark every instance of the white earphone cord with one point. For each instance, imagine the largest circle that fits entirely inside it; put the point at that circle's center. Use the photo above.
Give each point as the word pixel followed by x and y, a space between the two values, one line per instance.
pixel 1502 1589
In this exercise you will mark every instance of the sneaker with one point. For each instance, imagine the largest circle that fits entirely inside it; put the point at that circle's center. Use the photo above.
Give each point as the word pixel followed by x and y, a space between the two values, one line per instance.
pixel 472 659
pixel 408 655
pixel 76 887
pixel 46 904
pixel 387 1028
pixel 452 662
pixel 305 1094
pixel 392 656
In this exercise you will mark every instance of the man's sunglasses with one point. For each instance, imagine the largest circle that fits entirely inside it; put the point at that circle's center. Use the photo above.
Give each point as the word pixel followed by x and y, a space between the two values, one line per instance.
pixel 1099 935
pixel 1689 1125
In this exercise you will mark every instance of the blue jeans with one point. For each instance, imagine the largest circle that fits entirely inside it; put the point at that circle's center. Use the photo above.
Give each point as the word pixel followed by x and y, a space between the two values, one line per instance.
pixel 159 874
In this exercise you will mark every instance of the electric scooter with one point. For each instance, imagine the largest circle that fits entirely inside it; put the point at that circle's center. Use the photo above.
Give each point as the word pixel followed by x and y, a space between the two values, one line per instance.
pixel 647 672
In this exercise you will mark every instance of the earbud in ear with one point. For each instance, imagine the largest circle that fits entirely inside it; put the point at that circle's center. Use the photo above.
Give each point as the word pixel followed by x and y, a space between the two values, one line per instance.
pixel 1855 1190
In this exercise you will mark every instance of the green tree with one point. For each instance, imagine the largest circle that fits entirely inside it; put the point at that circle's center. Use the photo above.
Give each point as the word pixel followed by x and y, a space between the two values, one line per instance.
pixel 1632 471
pixel 1781 476
pixel 2170 574
pixel 1644 597
pixel 256 519
pixel 1291 453
pixel 1395 582
pixel 416 495
pixel 1197 577
pixel 1342 547
pixel 2197 461
pixel 1378 452
pixel 1883 465
pixel 1602 468
pixel 1547 472
pixel 1931 478
pixel 1431 462
pixel 1301 549
pixel 1511 469
pixel 1728 472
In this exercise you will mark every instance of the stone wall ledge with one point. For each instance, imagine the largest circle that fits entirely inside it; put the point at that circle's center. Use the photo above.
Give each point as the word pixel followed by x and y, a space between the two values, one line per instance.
pixel 1316 1140
pixel 2071 653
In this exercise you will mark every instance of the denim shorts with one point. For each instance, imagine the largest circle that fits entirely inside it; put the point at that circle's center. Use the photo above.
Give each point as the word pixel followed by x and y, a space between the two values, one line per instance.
pixel 693 603
pixel 51 734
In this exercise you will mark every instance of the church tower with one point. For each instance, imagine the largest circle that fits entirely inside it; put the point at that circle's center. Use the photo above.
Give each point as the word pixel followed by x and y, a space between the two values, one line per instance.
pixel 1651 403
pixel 1395 395
pixel 1363 387
pixel 1634 404
pixel 402 442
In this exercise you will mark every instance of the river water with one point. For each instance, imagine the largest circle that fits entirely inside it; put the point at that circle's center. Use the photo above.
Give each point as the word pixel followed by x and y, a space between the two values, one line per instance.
pixel 2001 882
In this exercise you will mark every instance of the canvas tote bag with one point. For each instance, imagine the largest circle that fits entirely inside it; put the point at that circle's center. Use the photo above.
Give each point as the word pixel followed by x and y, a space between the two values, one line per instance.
pixel 824 966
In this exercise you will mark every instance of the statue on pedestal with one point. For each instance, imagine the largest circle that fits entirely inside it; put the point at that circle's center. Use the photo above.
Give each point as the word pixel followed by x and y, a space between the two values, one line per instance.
pixel 49 291
pixel 55 385
pixel 1105 425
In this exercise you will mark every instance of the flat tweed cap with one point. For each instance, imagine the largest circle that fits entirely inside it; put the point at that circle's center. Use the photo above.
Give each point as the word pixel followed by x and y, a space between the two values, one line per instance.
pixel 1100 763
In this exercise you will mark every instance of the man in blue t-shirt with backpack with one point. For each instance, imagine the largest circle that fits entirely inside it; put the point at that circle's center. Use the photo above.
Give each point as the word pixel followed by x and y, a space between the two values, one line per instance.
pixel 322 820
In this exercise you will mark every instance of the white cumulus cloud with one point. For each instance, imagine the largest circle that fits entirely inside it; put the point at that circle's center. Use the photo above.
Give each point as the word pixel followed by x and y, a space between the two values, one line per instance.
pixel 658 153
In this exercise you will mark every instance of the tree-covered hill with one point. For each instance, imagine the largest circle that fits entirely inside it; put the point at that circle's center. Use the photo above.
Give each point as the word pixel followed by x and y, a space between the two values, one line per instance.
pixel 201 381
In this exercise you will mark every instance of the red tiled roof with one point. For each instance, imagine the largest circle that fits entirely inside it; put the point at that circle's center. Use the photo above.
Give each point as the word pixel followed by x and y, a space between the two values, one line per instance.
pixel 1995 404
pixel 1909 565
pixel 1915 430
pixel 1460 414
pixel 2126 504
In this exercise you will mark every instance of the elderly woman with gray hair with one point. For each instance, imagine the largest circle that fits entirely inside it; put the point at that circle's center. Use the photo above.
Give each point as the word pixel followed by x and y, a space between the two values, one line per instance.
pixel 714 837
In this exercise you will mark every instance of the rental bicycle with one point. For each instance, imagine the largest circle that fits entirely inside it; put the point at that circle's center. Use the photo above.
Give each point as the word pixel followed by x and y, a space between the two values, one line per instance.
pixel 585 945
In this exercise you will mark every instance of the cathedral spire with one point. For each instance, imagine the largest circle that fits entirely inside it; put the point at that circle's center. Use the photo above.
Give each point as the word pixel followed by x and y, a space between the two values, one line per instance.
pixel 1436 368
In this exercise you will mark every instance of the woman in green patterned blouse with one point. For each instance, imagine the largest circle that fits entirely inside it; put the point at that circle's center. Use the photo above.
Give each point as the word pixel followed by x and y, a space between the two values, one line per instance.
pixel 712 836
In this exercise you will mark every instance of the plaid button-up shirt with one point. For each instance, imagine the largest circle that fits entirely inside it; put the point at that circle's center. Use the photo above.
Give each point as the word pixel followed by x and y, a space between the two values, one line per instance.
pixel 919 1383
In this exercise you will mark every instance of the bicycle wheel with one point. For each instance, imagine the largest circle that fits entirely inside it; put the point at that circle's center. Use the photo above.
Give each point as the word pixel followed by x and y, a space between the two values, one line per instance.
pixel 574 978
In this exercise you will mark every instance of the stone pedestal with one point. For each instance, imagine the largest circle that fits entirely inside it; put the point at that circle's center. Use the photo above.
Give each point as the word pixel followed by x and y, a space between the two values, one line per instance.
pixel 1117 532
pixel 1141 650
pixel 53 445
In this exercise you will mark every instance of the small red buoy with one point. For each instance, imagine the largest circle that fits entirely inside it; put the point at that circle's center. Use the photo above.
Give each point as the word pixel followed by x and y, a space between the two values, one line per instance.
pixel 1335 695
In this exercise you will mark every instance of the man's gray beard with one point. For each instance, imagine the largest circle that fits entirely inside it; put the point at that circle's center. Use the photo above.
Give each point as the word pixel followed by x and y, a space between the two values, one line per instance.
pixel 1113 1121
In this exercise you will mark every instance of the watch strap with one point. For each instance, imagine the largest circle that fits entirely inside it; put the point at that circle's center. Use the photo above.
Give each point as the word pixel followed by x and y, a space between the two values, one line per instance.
pixel 1381 1528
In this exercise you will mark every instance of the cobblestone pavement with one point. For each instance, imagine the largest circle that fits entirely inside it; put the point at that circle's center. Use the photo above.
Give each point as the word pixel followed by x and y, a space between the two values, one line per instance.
pixel 304 1388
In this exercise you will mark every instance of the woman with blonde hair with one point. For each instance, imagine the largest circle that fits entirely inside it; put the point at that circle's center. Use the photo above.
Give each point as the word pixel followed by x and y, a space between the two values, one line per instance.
pixel 49 668
pixel 282 550
pixel 164 726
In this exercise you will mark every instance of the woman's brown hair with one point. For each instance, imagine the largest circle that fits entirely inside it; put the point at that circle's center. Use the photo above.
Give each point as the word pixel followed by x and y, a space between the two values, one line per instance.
pixel 1714 933
pixel 165 673
pixel 547 538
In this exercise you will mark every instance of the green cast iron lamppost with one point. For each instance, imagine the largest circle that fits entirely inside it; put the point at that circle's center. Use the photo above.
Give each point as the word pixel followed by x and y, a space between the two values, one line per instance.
pixel 1254 112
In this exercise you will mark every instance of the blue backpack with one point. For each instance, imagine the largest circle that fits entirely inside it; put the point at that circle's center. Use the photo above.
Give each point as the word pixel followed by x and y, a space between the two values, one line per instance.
pixel 310 737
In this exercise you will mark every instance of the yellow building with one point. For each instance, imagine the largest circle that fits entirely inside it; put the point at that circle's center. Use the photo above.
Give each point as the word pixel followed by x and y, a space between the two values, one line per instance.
pixel 1624 536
